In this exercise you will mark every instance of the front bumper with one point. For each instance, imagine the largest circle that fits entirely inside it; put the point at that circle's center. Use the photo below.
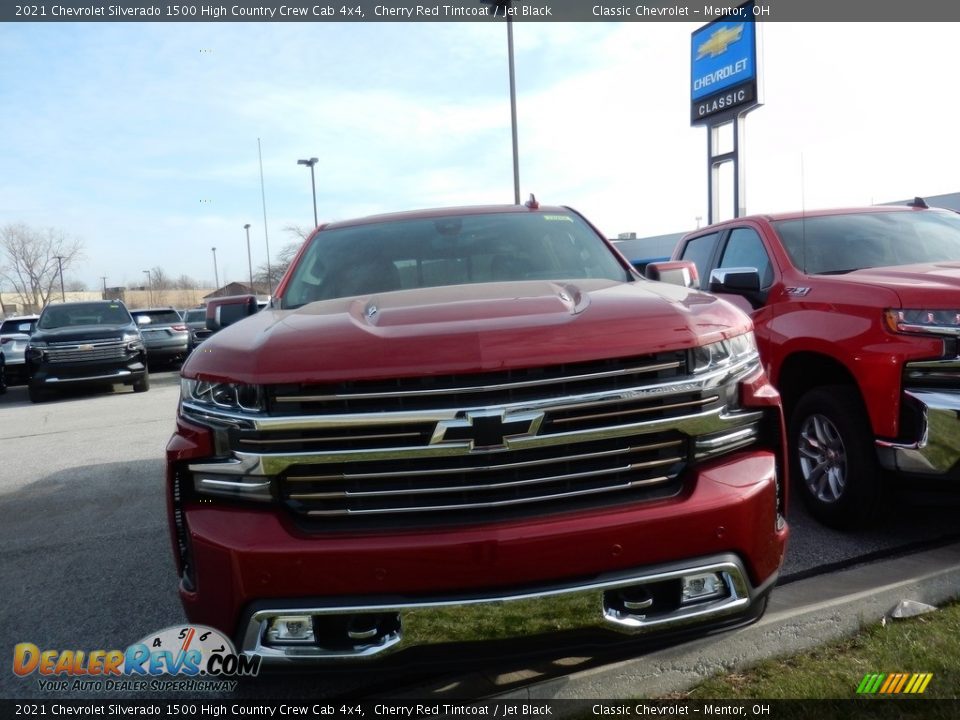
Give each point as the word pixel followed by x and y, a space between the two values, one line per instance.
pixel 638 602
pixel 937 451
pixel 64 374
pixel 485 582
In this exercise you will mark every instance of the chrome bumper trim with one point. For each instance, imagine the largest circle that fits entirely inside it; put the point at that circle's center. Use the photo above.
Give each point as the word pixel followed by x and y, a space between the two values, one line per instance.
pixel 589 605
pixel 938 449
pixel 117 374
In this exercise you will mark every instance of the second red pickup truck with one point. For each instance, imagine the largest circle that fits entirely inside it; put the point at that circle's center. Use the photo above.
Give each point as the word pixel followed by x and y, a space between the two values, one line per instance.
pixel 857 317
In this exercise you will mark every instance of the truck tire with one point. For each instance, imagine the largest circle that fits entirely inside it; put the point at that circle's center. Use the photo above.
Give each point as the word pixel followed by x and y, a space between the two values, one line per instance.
pixel 37 394
pixel 832 457
pixel 143 384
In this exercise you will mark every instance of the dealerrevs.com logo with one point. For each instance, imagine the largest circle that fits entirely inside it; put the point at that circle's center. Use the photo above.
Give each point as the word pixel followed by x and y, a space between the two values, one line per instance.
pixel 182 658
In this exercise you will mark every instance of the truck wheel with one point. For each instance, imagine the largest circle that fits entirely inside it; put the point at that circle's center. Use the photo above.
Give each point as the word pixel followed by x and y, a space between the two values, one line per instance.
pixel 832 457
pixel 143 384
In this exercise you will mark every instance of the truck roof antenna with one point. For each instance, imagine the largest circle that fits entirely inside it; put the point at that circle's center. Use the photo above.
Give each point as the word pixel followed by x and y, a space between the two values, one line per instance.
pixel 918 202
pixel 532 203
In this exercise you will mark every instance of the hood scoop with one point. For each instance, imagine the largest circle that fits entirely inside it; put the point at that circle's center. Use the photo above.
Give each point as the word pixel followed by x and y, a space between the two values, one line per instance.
pixel 487 301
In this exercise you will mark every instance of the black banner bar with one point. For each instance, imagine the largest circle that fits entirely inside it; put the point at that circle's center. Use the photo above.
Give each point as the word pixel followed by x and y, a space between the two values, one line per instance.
pixel 694 11
pixel 856 709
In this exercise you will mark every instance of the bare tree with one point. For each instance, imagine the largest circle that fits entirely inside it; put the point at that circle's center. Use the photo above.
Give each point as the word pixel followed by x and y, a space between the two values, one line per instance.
pixel 75 285
pixel 28 260
pixel 283 258
pixel 185 282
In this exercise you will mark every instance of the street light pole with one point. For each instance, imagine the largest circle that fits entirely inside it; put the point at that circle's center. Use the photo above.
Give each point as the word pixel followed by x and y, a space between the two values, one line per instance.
pixel 313 186
pixel 216 276
pixel 63 295
pixel 149 288
pixel 513 108
pixel 104 278
pixel 249 261
pixel 504 8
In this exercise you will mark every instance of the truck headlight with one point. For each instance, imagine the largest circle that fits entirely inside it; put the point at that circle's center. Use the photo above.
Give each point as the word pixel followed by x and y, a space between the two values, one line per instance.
pixel 133 343
pixel 35 351
pixel 924 322
pixel 731 351
pixel 225 395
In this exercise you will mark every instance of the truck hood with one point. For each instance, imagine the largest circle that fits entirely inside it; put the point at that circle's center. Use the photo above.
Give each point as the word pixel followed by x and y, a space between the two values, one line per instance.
pixel 83 333
pixel 919 286
pixel 459 329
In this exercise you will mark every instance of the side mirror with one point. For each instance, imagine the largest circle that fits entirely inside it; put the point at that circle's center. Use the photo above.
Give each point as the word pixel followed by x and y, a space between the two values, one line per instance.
pixel 675 272
pixel 228 310
pixel 735 280
pixel 641 265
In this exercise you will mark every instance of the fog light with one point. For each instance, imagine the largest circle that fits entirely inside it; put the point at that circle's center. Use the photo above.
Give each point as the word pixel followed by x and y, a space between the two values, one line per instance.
pixel 697 588
pixel 290 628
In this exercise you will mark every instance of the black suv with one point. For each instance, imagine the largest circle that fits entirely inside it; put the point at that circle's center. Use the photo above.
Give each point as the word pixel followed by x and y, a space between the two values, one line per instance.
pixel 85 343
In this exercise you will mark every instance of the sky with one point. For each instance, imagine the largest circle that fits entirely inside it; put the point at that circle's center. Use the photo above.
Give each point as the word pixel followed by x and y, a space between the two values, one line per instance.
pixel 141 139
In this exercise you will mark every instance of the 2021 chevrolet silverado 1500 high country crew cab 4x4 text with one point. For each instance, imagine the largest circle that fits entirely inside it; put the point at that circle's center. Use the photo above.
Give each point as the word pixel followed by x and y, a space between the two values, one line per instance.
pixel 857 317
pixel 449 418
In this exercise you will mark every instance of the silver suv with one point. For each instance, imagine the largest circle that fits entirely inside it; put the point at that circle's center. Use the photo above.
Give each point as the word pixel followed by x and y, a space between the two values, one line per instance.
pixel 15 333
pixel 164 334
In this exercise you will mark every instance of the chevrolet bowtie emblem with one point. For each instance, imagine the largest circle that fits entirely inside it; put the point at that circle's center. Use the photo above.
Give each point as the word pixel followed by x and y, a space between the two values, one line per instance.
pixel 719 41
pixel 487 429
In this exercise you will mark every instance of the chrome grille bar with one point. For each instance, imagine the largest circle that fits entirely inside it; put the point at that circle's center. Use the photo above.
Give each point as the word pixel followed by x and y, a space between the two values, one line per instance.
pixel 489 504
pixel 498 387
pixel 486 468
pixel 481 487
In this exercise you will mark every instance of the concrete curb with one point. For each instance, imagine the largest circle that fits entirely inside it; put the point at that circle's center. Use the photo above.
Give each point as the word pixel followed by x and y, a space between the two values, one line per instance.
pixel 801 615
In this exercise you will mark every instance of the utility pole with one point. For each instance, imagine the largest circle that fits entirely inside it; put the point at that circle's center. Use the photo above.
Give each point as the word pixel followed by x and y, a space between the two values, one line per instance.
pixel 216 275
pixel 63 295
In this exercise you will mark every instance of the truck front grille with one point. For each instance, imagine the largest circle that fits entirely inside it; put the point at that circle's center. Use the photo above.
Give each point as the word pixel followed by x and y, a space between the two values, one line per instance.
pixel 97 351
pixel 479 447
pixel 632 468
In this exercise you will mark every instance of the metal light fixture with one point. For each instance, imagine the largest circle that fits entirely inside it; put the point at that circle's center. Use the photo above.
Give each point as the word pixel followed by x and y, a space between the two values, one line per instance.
pixel 310 163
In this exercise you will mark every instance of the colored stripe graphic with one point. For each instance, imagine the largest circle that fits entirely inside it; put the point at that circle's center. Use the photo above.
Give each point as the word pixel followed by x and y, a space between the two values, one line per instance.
pixel 894 683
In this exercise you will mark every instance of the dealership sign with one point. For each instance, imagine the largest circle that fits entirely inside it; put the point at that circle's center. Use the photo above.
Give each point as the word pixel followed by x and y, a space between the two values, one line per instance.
pixel 723 66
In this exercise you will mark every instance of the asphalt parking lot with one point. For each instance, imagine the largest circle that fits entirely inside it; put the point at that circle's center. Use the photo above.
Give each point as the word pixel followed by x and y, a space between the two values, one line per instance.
pixel 87 562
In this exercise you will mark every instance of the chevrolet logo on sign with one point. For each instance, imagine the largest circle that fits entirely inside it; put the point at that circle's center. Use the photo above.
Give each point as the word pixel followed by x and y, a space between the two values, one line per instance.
pixel 718 43
pixel 487 429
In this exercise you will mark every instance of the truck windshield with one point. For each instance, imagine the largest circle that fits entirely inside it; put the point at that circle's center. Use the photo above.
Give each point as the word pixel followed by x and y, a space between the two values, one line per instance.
pixel 57 316
pixel 835 244
pixel 450 250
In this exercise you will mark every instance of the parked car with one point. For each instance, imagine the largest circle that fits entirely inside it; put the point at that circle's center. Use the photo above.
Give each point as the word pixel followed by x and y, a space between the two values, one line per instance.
pixel 196 321
pixel 450 419
pixel 857 316
pixel 85 343
pixel 164 333
pixel 14 335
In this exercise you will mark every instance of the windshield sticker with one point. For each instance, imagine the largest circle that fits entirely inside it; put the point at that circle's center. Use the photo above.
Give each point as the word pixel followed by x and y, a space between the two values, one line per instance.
pixel 558 218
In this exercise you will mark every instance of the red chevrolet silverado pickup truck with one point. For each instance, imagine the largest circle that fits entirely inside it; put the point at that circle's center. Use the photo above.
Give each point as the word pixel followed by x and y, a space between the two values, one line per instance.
pixel 857 317
pixel 467 424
